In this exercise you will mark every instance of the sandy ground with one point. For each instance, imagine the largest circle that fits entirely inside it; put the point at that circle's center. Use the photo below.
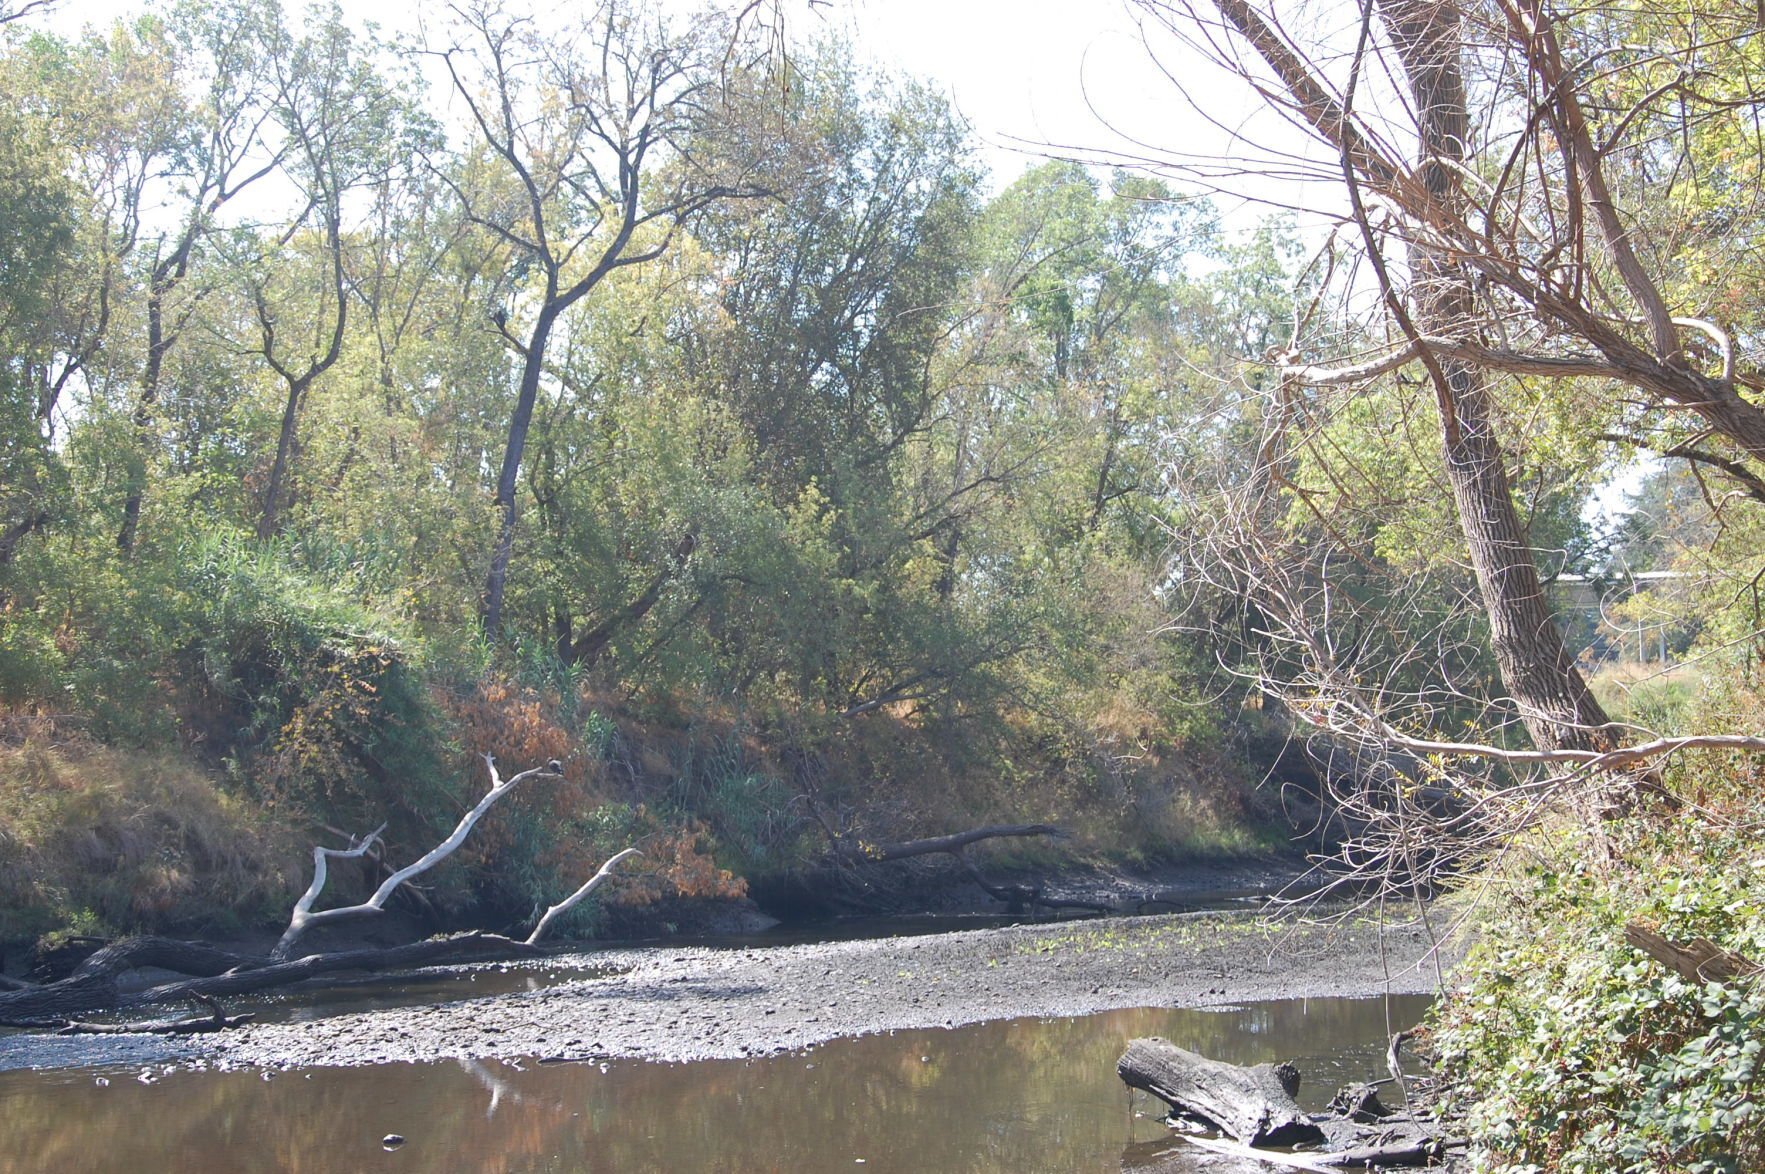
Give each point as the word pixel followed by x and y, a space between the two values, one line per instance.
pixel 698 1003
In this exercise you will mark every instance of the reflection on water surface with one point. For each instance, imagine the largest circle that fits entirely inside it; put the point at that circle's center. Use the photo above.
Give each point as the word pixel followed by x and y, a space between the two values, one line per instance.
pixel 1016 1095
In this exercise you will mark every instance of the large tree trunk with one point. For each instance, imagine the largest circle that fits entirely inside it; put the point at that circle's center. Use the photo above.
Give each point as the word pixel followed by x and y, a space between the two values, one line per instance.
pixel 1553 699
pixel 508 480
pixel 270 521
pixel 1254 1105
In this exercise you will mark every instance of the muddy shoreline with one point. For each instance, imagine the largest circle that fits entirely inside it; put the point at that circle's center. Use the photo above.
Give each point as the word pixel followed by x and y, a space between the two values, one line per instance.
pixel 692 1003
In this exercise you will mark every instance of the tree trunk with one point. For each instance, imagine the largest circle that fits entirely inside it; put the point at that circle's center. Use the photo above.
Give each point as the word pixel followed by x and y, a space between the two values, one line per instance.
pixel 1555 704
pixel 18 532
pixel 508 512
pixel 157 346
pixel 1254 1105
pixel 166 276
pixel 270 521
pixel 587 649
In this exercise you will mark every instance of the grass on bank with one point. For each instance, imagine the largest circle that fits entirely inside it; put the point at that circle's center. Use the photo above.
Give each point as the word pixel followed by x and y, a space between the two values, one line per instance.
pixel 96 840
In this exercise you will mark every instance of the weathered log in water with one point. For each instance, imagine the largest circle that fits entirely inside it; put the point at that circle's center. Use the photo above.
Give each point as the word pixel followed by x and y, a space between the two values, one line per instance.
pixel 1254 1105
pixel 94 986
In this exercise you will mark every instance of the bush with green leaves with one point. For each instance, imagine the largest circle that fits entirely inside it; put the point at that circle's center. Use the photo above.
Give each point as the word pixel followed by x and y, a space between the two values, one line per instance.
pixel 330 706
pixel 1575 1052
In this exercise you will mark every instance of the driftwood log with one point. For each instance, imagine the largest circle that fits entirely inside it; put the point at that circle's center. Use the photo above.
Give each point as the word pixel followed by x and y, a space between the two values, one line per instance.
pixel 1254 1105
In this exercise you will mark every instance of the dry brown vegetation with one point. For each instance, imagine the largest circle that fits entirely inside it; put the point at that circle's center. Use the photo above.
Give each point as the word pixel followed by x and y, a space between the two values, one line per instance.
pixel 100 839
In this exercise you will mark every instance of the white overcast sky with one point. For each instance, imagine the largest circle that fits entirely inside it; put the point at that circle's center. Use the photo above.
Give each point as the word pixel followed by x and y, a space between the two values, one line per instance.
pixel 1072 73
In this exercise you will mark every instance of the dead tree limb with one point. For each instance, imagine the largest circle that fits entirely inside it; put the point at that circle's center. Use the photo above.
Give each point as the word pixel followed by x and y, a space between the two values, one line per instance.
pixel 304 918
pixel 1699 960
pixel 93 985
pixel 877 853
pixel 568 903
pixel 215 1020
pixel 84 993
pixel 195 958
pixel 469 947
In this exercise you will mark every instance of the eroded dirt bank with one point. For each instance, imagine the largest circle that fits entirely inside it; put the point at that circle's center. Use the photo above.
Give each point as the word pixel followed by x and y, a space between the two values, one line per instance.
pixel 699 1003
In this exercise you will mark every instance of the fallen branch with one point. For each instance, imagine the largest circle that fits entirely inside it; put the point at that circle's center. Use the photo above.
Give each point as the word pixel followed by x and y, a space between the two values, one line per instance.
pixel 195 958
pixel 81 994
pixel 877 853
pixel 304 918
pixel 93 985
pixel 564 906
pixel 1699 960
pixel 215 1020
pixel 469 947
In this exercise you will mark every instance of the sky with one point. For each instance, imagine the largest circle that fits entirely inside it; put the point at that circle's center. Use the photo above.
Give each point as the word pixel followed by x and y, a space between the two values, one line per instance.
pixel 1031 76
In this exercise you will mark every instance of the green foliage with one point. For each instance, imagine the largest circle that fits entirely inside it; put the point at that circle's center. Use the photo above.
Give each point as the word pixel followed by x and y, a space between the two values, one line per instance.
pixel 1576 1052
pixel 329 705
pixel 857 486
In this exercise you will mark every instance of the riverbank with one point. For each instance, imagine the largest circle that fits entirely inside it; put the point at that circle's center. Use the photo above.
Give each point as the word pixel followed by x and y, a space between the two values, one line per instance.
pixel 696 1003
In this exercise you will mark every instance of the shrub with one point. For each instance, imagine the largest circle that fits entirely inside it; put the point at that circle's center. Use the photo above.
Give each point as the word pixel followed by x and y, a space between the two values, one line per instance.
pixel 314 701
pixel 1573 1051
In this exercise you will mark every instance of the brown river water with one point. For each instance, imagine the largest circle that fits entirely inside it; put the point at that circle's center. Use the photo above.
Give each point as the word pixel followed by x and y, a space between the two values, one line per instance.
pixel 1007 1096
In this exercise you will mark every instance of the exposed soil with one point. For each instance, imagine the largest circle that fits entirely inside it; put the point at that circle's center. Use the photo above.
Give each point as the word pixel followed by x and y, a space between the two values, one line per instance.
pixel 697 1003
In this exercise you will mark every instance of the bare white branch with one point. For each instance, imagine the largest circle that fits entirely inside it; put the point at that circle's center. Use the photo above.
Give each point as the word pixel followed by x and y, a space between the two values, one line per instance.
pixel 562 907
pixel 304 918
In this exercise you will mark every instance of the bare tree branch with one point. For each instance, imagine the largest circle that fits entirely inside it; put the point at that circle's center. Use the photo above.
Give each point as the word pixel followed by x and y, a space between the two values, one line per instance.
pixel 305 919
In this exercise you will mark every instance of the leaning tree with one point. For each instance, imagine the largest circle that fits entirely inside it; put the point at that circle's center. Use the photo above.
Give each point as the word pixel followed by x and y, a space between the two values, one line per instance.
pixel 1499 167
